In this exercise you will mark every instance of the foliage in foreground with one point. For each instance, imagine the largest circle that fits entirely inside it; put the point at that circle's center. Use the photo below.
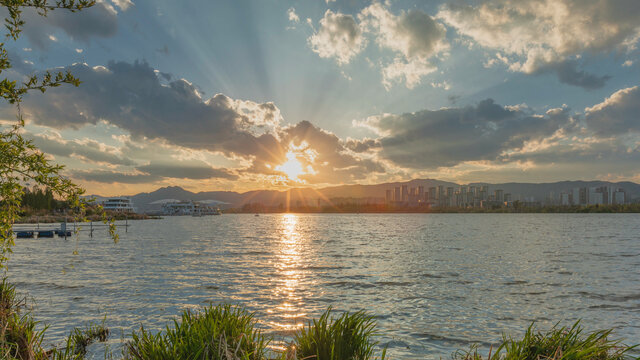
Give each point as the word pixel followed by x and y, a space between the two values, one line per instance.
pixel 559 343
pixel 226 332
pixel 347 337
pixel 222 332
pixel 20 340
pixel 21 162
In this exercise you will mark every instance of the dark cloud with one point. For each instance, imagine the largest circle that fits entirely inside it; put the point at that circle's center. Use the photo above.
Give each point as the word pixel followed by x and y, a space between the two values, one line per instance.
pixel 132 97
pixel 111 177
pixel 360 146
pixel 618 114
pixel 186 170
pixel 568 73
pixel 87 150
pixel 97 21
pixel 447 137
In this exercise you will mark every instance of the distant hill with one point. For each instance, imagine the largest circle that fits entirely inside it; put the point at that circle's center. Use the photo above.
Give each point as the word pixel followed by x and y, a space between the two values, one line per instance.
pixel 519 191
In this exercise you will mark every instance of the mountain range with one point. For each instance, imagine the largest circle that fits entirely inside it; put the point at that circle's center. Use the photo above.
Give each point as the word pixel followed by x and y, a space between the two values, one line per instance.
pixel 151 201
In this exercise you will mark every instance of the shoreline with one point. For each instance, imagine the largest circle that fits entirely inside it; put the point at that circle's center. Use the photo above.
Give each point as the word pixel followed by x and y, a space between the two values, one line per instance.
pixel 54 218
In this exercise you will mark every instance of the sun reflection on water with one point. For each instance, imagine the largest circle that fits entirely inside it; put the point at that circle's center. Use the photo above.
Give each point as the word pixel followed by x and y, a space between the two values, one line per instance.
pixel 289 269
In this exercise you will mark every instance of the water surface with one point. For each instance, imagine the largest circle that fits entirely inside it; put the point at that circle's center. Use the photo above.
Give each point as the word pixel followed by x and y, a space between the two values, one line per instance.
pixel 436 282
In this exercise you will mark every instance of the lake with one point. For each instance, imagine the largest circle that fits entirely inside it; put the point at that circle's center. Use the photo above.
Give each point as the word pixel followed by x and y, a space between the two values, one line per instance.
pixel 436 282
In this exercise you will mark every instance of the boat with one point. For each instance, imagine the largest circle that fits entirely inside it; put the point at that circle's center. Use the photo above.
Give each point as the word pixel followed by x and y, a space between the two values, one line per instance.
pixel 24 234
pixel 45 233
pixel 120 204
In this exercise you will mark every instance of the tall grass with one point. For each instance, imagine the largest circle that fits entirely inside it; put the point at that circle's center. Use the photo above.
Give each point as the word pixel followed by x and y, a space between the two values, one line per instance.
pixel 559 343
pixel 349 336
pixel 222 332
pixel 225 332
pixel 20 339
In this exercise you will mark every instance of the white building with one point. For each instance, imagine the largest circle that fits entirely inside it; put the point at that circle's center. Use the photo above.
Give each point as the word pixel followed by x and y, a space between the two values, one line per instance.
pixel 118 204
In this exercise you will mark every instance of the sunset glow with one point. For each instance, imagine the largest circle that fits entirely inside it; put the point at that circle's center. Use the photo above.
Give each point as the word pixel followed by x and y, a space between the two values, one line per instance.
pixel 332 93
pixel 292 167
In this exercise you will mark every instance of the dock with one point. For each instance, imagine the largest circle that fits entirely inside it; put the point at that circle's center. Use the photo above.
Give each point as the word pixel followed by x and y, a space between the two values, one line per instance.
pixel 63 229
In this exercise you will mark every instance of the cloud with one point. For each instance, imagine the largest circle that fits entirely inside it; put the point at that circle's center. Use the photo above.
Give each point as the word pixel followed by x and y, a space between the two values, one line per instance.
pixel 124 5
pixel 339 37
pixel 568 73
pixel 132 97
pixel 414 36
pixel 87 150
pixel 617 114
pixel 331 160
pixel 172 114
pixel 97 21
pixel 185 170
pixel 430 139
pixel 111 177
pixel 538 35
pixel 293 17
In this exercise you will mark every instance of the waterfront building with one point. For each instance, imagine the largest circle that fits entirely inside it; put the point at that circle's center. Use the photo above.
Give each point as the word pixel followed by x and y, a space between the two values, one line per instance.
pixel 119 204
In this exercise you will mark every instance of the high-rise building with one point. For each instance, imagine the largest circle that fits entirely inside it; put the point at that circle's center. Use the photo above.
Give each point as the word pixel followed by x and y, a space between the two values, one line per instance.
pixel 432 194
pixel 619 196
pixel 595 197
pixel 389 196
pixel 396 195
pixel 405 193
pixel 499 195
pixel 575 196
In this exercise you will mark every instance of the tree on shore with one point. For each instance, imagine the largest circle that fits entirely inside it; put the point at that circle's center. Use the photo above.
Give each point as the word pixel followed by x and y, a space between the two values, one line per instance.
pixel 21 162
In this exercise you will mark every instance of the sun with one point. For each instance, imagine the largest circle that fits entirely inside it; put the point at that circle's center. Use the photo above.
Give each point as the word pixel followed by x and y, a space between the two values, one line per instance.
pixel 292 167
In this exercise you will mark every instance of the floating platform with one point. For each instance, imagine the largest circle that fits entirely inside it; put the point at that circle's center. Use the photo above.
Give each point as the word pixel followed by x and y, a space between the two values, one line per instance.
pixel 45 233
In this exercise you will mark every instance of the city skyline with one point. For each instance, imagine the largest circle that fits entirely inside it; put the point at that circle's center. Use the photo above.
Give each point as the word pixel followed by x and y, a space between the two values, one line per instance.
pixel 253 95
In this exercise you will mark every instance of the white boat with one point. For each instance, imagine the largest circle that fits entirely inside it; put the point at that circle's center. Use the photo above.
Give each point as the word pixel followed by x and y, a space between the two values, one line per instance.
pixel 119 204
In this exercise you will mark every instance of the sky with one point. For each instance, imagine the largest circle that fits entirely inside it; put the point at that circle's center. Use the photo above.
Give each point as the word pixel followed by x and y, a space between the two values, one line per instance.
pixel 271 94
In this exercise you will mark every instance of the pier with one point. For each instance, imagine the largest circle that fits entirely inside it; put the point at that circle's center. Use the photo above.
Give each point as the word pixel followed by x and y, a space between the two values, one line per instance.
pixel 63 229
